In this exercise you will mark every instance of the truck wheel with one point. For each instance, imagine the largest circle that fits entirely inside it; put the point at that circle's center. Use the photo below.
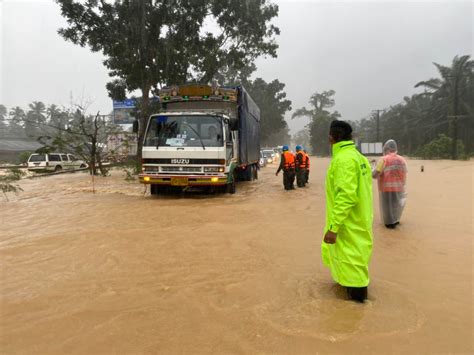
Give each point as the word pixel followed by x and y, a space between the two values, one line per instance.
pixel 231 186
pixel 255 172
pixel 154 189
pixel 58 168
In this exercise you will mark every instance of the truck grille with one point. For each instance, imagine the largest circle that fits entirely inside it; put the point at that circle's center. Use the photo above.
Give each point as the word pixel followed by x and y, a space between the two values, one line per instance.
pixel 181 169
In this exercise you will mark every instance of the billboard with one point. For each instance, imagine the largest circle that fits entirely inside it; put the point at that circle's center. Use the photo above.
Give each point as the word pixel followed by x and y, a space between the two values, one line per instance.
pixel 371 148
pixel 122 110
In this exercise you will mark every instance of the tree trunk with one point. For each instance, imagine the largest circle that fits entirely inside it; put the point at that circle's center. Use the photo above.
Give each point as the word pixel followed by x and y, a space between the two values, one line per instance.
pixel 143 120
pixel 93 157
pixel 455 119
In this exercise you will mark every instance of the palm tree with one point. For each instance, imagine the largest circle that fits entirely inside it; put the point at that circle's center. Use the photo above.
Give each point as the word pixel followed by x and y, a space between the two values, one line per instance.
pixel 320 120
pixel 52 113
pixel 3 118
pixel 17 119
pixel 35 118
pixel 451 95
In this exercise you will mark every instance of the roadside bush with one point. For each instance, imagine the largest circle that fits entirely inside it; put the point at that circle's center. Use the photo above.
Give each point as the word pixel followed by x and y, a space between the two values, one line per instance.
pixel 440 148
pixel 23 157
pixel 129 175
pixel 7 182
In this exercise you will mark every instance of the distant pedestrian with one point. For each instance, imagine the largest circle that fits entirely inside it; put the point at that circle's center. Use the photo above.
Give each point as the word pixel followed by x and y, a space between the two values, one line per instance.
pixel 347 245
pixel 307 166
pixel 391 172
pixel 287 164
pixel 301 165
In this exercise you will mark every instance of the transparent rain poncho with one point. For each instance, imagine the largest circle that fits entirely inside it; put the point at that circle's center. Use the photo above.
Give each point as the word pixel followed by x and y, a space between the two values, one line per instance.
pixel 390 172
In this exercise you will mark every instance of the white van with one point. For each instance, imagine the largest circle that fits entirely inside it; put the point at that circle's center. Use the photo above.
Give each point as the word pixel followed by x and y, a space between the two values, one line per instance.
pixel 54 162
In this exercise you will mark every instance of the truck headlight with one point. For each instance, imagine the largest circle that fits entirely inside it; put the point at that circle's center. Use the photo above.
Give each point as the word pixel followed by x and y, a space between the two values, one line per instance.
pixel 214 169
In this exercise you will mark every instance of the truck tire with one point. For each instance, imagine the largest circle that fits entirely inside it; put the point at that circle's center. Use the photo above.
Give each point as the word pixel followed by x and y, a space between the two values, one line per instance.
pixel 58 168
pixel 255 172
pixel 231 186
pixel 154 189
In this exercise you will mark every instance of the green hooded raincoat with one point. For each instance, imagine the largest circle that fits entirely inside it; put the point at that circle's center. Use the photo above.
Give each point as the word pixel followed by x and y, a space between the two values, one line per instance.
pixel 349 213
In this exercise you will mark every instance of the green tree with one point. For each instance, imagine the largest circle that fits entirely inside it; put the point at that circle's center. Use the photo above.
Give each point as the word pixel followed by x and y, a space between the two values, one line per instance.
pixel 271 99
pixel 86 136
pixel 440 148
pixel 35 118
pixel 452 97
pixel 17 120
pixel 150 43
pixel 302 138
pixel 422 118
pixel 3 120
pixel 320 120
pixel 57 117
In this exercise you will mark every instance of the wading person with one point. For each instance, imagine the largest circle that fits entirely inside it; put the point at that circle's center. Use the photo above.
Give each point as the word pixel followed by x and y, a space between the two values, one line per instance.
pixel 347 244
pixel 391 172
pixel 287 164
pixel 300 167
pixel 306 180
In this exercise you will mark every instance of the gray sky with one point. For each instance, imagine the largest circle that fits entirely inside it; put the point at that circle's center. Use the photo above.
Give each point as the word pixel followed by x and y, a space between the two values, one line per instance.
pixel 371 53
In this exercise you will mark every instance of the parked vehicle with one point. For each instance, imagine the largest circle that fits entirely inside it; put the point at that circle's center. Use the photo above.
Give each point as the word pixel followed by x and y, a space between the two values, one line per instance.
pixel 202 136
pixel 278 153
pixel 54 162
pixel 262 162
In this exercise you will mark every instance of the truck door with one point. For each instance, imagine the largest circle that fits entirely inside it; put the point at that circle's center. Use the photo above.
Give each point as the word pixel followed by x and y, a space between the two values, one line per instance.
pixel 229 144
pixel 235 141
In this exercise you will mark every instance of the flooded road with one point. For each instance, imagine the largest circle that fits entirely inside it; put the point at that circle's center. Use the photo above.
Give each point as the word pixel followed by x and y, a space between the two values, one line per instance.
pixel 120 271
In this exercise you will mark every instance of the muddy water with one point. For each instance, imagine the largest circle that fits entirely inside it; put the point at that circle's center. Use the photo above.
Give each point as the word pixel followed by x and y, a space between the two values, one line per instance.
pixel 120 271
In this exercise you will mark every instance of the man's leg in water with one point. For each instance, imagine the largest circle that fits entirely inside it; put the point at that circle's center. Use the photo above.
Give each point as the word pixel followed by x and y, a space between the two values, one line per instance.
pixel 358 294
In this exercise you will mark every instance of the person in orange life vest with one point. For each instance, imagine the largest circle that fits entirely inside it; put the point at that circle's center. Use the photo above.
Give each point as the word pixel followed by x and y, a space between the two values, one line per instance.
pixel 391 172
pixel 300 166
pixel 307 167
pixel 287 164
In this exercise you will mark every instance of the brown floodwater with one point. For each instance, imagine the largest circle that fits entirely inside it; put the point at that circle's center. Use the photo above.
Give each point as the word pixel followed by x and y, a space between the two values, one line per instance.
pixel 120 271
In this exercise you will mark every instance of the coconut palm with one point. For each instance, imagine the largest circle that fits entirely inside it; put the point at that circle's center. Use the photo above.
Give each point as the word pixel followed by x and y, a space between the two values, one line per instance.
pixel 452 96
pixel 320 120
pixel 3 118
pixel 17 119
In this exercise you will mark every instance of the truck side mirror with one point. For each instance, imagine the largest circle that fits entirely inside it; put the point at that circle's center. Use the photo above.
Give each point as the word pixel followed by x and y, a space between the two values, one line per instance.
pixel 135 126
pixel 234 124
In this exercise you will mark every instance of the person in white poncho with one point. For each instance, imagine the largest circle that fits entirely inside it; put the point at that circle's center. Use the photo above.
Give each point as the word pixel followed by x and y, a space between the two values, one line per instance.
pixel 391 172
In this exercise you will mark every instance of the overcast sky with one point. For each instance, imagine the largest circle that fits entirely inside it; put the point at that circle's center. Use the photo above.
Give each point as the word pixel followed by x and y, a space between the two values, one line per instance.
pixel 370 52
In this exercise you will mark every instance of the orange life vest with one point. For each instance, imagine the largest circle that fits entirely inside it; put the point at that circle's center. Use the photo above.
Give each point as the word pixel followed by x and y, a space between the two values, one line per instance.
pixel 289 160
pixel 304 159
pixel 307 160
pixel 393 176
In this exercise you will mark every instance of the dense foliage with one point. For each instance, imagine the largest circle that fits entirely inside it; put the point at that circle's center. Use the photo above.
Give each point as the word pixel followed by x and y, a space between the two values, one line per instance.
pixel 61 130
pixel 446 107
pixel 271 99
pixel 149 43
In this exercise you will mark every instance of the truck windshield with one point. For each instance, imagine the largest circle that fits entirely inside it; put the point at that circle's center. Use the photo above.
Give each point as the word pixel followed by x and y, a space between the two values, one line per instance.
pixel 184 131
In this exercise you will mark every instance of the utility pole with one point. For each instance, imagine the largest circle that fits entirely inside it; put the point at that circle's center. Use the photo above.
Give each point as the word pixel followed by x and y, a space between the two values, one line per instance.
pixel 378 124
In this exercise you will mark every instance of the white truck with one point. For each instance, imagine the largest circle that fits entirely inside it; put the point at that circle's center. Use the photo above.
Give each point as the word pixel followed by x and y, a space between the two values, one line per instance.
pixel 203 136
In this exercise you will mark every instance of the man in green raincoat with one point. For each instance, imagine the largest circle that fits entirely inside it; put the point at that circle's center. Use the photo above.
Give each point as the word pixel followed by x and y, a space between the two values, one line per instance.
pixel 347 244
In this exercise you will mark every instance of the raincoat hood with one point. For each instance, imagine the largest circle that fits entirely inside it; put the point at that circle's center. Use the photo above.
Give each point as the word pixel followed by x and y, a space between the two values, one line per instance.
pixel 390 146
